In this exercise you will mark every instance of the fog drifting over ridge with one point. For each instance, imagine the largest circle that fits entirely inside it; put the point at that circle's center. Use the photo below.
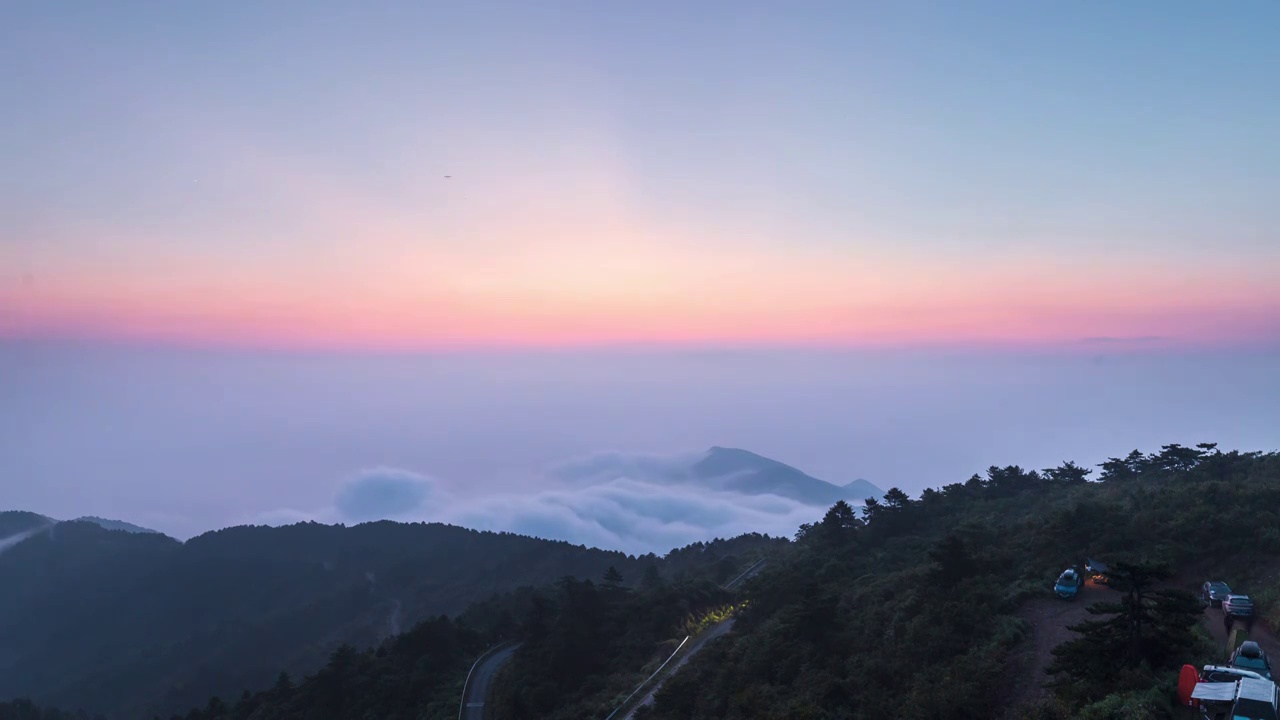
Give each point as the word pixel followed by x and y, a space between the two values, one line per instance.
pixel 636 512
pixel 185 441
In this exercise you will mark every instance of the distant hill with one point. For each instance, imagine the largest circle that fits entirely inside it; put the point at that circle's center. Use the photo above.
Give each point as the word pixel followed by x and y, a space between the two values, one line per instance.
pixel 134 624
pixel 18 526
pixel 746 472
pixel 114 524
pixel 862 489
pixel 13 522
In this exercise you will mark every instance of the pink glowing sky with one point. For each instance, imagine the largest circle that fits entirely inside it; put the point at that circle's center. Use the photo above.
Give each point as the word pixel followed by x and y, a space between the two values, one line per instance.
pixel 636 295
pixel 792 187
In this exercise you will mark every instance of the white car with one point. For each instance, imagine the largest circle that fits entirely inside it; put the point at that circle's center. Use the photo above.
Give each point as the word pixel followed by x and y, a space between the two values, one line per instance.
pixel 1239 606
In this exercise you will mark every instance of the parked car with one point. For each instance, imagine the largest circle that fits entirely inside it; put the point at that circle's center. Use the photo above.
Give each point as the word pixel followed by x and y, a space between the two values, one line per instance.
pixel 1256 700
pixel 1212 593
pixel 1250 657
pixel 1226 673
pixel 1068 585
pixel 1217 693
pixel 1237 606
pixel 1247 698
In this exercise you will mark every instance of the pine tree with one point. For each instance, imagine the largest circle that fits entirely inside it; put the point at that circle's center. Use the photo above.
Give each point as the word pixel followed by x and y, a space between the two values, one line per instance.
pixel 952 562
pixel 651 578
pixel 872 509
pixel 1146 626
pixel 840 518
pixel 216 708
pixel 1176 458
pixel 1068 473
pixel 612 579
pixel 283 686
pixel 896 499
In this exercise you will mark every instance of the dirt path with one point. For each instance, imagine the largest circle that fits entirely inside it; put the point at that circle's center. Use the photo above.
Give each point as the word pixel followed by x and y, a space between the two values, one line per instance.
pixel 1258 633
pixel 1191 577
pixel 1048 617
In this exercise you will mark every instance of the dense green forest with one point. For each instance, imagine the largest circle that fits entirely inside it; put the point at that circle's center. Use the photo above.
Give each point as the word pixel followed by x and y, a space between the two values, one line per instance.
pixel 912 611
pixel 908 610
pixel 133 625
pixel 590 643
pixel 13 523
pixel 576 630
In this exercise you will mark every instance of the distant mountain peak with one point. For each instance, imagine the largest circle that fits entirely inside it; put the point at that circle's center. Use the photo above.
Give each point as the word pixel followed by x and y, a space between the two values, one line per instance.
pixel 719 459
pixel 743 471
pixel 734 451
pixel 862 489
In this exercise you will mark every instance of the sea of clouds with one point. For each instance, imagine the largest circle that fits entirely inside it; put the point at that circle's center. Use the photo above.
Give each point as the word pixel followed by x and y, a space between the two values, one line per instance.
pixel 634 503
pixel 187 441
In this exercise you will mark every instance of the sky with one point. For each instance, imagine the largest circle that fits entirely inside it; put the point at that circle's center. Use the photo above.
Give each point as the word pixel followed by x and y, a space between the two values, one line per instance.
pixel 749 172
pixel 251 252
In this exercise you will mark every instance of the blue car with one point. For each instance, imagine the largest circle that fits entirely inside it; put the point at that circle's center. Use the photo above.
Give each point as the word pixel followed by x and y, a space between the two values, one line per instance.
pixel 1068 584
pixel 1214 592
pixel 1250 657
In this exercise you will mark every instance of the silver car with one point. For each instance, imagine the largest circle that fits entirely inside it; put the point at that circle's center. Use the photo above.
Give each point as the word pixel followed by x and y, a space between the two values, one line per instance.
pixel 1238 606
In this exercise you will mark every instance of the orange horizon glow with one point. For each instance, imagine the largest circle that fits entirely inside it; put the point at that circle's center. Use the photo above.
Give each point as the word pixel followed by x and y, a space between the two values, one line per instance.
pixel 788 314
pixel 585 264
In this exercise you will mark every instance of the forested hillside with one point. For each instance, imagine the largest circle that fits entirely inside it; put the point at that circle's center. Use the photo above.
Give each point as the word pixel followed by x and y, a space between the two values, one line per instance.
pixel 912 614
pixel 13 523
pixel 132 625
pixel 909 612
pixel 584 640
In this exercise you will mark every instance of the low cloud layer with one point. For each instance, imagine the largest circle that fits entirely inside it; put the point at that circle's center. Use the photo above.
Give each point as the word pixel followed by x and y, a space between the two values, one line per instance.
pixel 604 467
pixel 637 516
pixel 383 494
pixel 216 438
pixel 632 503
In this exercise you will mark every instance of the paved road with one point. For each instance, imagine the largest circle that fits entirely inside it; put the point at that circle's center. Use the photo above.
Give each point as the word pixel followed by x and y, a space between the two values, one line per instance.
pixel 480 681
pixel 481 678
pixel 748 573
pixel 715 632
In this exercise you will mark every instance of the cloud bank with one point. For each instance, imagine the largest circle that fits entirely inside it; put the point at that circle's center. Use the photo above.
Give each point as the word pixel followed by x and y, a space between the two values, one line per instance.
pixel 607 466
pixel 383 494
pixel 632 503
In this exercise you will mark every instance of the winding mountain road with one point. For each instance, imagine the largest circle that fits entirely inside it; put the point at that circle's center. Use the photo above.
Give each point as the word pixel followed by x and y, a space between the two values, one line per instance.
pixel 712 633
pixel 477 685
pixel 715 632
pixel 479 681
pixel 748 573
